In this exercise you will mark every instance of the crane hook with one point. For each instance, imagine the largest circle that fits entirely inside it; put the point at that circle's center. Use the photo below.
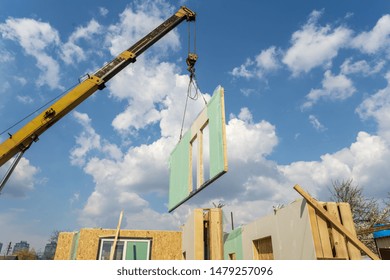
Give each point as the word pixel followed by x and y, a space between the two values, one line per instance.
pixel 191 60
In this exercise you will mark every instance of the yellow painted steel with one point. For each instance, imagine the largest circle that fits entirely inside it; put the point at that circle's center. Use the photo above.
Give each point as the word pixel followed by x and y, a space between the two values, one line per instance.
pixel 23 138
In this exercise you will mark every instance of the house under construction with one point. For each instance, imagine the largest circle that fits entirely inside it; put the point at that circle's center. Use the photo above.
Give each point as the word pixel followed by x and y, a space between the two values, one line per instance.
pixel 298 231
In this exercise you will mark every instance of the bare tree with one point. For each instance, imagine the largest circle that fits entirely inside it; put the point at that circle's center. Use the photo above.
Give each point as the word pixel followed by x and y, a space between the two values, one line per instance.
pixel 366 212
pixel 27 254
pixel 54 236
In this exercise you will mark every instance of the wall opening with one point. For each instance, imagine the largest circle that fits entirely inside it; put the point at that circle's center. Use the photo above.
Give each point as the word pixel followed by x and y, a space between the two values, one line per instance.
pixel 263 249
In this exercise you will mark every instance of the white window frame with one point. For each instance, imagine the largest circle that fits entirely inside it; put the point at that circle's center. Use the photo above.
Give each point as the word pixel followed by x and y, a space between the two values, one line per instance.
pixel 124 240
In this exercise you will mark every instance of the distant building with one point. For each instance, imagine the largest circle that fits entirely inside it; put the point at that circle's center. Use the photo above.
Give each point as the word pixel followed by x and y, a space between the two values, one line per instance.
pixel 50 250
pixel 22 245
pixel 1 246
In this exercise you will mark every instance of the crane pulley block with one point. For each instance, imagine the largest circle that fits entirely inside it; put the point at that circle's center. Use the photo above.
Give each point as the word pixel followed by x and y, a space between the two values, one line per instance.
pixel 191 60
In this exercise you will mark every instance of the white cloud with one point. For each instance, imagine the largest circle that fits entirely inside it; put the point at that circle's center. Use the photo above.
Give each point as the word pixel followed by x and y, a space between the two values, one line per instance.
pixel 35 37
pixel 361 67
pixel 375 40
pixel 122 183
pixel 21 80
pixel 338 87
pixel 25 99
pixel 248 141
pixel 22 179
pixel 265 62
pixel 267 59
pixel 377 106
pixel 315 45
pixel 242 71
pixel 363 161
pixel 87 141
pixel 154 85
pixel 4 87
pixel 103 11
pixel 150 85
pixel 5 56
pixel 245 115
pixel 71 52
pixel 316 123
pixel 136 22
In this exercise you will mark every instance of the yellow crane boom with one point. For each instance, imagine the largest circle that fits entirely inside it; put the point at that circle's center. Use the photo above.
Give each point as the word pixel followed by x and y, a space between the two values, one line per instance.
pixel 21 140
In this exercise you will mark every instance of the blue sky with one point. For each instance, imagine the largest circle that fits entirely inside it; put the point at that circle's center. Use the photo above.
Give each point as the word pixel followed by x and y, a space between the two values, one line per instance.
pixel 307 97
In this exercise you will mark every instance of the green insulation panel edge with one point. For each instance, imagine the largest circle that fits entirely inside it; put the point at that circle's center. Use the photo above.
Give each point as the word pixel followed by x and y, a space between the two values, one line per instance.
pixel 180 177
pixel 179 171
pixel 75 245
pixel 233 245
pixel 216 116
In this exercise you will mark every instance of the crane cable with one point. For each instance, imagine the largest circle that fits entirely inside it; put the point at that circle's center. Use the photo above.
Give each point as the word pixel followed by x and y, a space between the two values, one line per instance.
pixel 193 84
pixel 36 110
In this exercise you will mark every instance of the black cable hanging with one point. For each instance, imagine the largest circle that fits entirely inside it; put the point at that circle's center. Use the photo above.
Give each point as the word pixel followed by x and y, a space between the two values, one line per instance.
pixel 35 111
pixel 193 84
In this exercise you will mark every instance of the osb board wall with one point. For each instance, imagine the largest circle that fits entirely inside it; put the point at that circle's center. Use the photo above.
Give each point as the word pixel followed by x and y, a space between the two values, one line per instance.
pixel 166 245
pixel 330 243
pixel 64 246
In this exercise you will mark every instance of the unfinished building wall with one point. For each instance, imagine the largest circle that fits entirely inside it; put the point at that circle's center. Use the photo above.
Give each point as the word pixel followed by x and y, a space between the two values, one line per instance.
pixel 300 232
pixel 193 236
pixel 203 235
pixel 233 245
pixel 85 245
pixel 64 246
pixel 283 235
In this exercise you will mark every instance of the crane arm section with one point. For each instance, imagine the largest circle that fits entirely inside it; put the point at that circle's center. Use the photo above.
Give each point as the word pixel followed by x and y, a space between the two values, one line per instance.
pixel 24 137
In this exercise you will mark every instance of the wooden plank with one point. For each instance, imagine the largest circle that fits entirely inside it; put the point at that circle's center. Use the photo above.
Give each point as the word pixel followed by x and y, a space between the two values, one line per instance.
pixel 200 122
pixel 216 234
pixel 198 234
pixel 336 224
pixel 324 235
pixel 315 232
pixel 347 221
pixel 373 229
pixel 190 167
pixel 338 238
pixel 200 176
pixel 113 247
pixel 224 129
